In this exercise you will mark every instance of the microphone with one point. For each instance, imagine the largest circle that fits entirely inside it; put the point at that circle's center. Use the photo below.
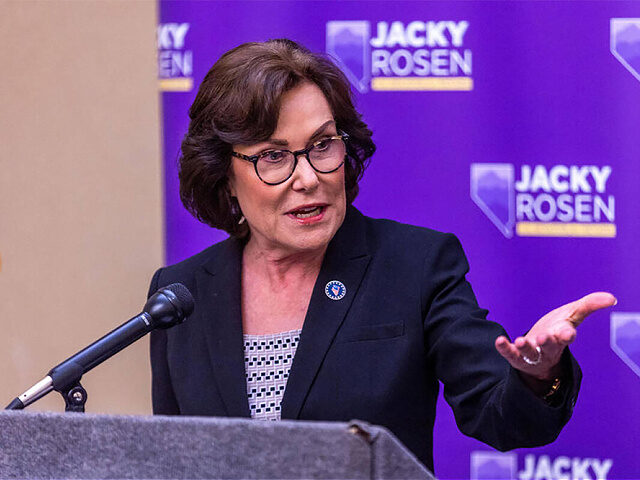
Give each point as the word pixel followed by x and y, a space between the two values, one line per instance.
pixel 167 307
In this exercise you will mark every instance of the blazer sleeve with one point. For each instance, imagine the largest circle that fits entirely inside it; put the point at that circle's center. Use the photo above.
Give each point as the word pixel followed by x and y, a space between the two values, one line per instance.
pixel 162 395
pixel 489 400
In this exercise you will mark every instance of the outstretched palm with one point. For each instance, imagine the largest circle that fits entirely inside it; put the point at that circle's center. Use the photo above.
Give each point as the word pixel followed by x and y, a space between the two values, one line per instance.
pixel 538 352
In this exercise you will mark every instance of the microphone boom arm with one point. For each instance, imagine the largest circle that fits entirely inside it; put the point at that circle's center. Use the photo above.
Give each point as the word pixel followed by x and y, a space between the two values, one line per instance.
pixel 164 309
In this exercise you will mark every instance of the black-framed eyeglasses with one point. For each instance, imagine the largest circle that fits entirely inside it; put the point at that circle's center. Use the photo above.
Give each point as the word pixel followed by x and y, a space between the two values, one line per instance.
pixel 276 166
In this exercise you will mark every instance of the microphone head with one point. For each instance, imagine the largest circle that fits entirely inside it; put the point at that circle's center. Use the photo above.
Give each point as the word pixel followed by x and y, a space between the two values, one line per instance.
pixel 169 306
pixel 184 298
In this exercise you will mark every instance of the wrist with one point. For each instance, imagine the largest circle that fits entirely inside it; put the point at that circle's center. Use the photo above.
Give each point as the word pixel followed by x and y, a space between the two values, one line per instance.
pixel 539 386
pixel 548 375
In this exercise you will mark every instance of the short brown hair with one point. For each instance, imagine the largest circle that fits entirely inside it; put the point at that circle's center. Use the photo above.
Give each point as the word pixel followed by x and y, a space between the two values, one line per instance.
pixel 238 103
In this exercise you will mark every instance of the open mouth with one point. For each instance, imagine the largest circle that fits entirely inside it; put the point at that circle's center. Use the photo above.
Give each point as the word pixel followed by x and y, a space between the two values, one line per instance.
pixel 307 212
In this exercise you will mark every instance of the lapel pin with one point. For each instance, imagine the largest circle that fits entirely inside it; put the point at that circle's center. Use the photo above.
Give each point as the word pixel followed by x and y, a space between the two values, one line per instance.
pixel 335 290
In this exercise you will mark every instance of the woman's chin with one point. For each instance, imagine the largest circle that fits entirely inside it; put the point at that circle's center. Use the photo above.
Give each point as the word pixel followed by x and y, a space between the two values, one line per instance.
pixel 310 242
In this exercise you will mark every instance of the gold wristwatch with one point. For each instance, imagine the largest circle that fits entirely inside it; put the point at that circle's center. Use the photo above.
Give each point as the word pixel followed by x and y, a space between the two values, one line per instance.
pixel 548 397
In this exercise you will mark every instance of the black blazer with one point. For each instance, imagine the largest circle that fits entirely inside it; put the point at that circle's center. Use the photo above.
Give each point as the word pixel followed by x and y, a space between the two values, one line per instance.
pixel 408 319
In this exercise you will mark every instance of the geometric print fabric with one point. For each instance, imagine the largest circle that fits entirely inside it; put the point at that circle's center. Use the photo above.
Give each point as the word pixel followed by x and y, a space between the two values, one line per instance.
pixel 267 361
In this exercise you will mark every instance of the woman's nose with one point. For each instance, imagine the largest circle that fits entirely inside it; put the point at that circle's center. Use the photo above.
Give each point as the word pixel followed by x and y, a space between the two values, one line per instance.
pixel 304 176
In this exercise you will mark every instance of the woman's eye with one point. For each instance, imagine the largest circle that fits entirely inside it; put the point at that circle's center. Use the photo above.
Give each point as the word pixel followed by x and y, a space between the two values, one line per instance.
pixel 322 144
pixel 273 156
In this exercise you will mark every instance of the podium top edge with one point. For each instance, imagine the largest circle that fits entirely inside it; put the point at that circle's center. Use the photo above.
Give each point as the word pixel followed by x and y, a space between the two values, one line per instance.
pixel 198 420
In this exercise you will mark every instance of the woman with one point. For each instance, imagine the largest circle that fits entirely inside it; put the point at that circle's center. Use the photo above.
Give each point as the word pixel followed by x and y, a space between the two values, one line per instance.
pixel 381 311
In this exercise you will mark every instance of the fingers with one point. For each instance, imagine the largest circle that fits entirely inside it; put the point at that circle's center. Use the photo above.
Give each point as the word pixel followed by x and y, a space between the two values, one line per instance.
pixel 544 340
pixel 589 304
pixel 514 352
pixel 551 346
pixel 507 349
pixel 526 348
pixel 566 335
pixel 560 339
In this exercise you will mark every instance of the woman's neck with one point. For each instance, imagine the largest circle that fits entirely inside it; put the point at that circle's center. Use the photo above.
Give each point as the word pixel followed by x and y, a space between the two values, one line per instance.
pixel 281 267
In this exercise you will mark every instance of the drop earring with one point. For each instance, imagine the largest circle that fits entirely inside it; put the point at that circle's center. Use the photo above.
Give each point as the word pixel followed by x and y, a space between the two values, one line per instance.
pixel 235 210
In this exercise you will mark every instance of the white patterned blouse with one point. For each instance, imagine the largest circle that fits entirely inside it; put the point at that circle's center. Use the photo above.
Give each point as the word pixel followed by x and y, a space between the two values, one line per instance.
pixel 267 360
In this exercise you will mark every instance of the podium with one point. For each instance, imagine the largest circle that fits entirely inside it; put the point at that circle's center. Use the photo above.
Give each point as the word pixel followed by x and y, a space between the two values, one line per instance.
pixel 88 446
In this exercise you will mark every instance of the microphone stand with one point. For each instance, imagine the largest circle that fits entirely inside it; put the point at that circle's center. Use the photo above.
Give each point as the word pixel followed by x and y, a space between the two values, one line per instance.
pixel 74 398
pixel 64 379
pixel 167 307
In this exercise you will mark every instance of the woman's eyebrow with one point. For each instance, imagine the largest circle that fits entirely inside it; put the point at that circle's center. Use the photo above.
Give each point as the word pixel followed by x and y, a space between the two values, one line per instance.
pixel 322 128
pixel 319 130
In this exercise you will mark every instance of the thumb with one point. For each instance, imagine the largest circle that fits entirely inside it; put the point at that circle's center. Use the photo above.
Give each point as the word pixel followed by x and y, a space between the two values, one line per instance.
pixel 589 304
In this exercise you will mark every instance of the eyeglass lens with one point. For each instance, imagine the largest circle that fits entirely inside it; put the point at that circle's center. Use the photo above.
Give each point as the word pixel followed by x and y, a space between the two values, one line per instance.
pixel 277 165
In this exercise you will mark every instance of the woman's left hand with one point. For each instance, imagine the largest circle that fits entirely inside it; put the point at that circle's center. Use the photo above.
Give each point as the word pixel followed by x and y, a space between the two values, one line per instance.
pixel 538 353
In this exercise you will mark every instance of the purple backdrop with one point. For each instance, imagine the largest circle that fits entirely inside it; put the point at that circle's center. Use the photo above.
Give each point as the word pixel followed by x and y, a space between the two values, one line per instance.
pixel 515 125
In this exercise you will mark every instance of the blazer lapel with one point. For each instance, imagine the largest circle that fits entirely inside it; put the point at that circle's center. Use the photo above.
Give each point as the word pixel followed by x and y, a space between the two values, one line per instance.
pixel 346 260
pixel 219 286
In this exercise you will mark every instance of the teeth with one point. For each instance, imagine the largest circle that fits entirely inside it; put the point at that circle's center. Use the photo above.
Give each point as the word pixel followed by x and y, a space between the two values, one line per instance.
pixel 308 213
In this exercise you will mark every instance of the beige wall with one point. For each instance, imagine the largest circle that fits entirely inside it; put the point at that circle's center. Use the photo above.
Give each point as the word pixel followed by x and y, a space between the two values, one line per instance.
pixel 80 191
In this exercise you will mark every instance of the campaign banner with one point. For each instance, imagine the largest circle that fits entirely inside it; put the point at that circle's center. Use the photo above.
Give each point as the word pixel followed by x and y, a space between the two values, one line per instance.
pixel 514 125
